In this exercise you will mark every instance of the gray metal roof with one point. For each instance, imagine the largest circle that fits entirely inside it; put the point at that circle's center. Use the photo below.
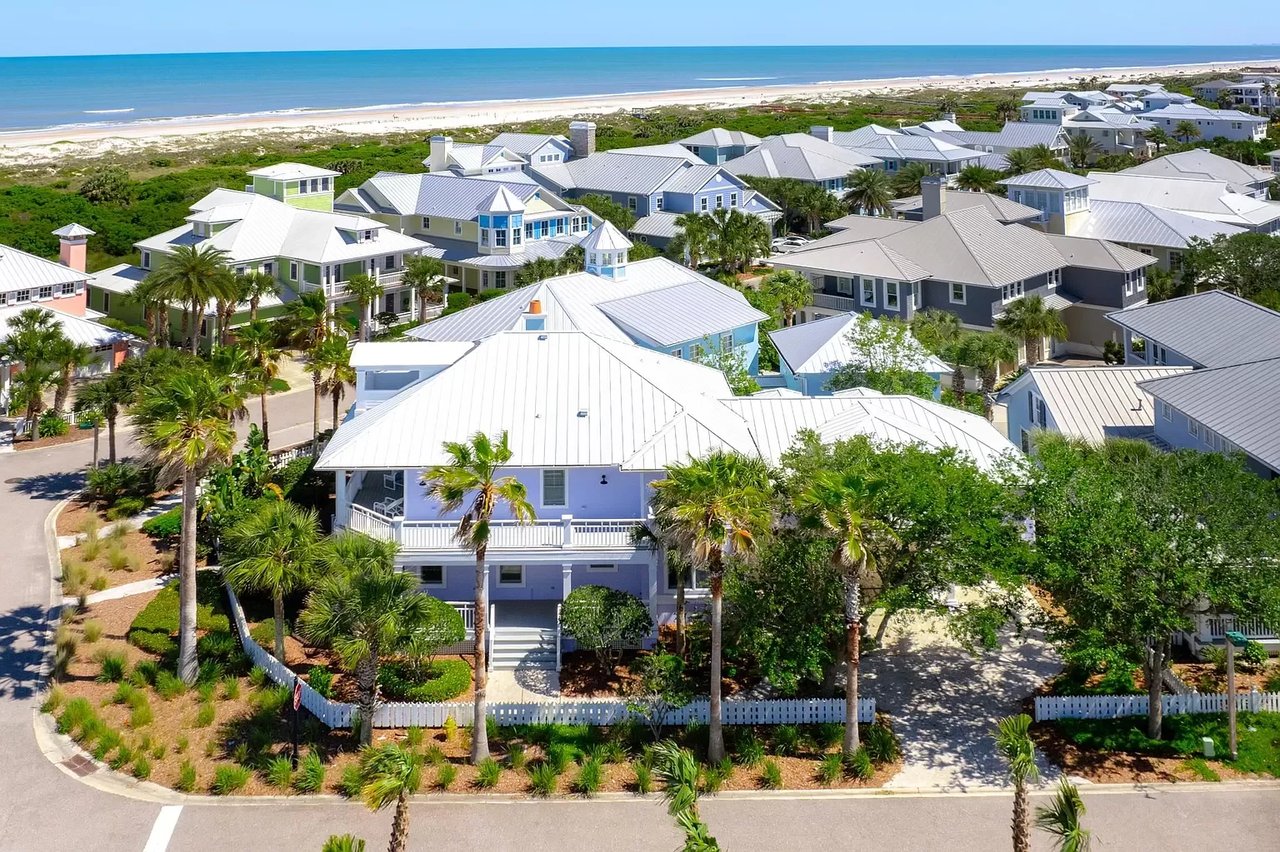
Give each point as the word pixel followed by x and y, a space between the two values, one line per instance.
pixel 902 146
pixel 869 258
pixel 799 156
pixel 822 345
pixel 525 144
pixel 721 138
pixel 661 225
pixel 1093 253
pixel 636 174
pixel 1193 112
pixel 1014 134
pixel 1146 225
pixel 1095 403
pixel 683 313
pixel 465 251
pixel 1239 402
pixel 998 206
pixel 446 195
pixel 1049 179
pixel 1213 328
pixel 1209 199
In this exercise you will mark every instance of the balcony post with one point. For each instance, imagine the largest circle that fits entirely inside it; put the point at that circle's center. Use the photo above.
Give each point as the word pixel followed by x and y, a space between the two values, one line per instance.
pixel 397 528
pixel 567 522
pixel 342 503
pixel 566 574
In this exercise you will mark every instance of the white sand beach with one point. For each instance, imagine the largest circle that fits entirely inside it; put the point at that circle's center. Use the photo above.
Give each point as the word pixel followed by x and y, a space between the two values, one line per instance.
pixel 37 147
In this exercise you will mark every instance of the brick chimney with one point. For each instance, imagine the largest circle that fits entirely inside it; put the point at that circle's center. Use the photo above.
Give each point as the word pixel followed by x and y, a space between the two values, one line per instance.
pixel 933 197
pixel 73 246
pixel 441 149
pixel 824 132
pixel 582 137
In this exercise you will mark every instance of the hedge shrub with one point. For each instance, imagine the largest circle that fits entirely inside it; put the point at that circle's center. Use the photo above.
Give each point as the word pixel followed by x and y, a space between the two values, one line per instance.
pixel 166 527
pixel 440 681
pixel 155 628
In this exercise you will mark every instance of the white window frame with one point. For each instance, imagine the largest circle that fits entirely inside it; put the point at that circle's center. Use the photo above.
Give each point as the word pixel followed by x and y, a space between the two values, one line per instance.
pixel 68 288
pixel 1054 278
pixel 422 579
pixel 733 199
pixel 862 293
pixel 457 228
pixel 45 292
pixel 426 223
pixel 1166 411
pixel 146 260
pixel 704 205
pixel 293 270
pixel 633 203
pixel 726 341
pixel 508 585
pixel 1193 428
pixel 692 585
pixel 564 487
pixel 892 297
pixel 845 286
pixel 964 294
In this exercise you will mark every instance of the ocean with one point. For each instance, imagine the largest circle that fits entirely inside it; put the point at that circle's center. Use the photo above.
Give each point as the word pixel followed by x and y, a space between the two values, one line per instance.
pixel 42 92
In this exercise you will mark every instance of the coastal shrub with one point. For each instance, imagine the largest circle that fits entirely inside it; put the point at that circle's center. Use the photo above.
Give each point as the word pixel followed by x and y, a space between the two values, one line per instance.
pixel 280 772
pixel 112 669
pixel 825 735
pixel 559 756
pixel 351 782
pixel 165 528
pixel 343 843
pixel 73 715
pixel 64 650
pixel 771 775
pixel 413 736
pixel 228 779
pixel 126 507
pixel 159 750
pixel 488 773
pixel 169 686
pixel 321 680
pixel 715 775
pixel 155 628
pixel 108 484
pixel 205 715
pixel 749 750
pixel 310 777
pixel 831 769
pixel 52 425
pixel 590 777
pixel 141 767
pixel 123 757
pixel 141 714
pixel 230 688
pixel 54 699
pixel 439 681
pixel 1252 656
pixel 433 755
pixel 107 185
pixel 517 757
pixel 786 740
pixel 206 689
pixel 124 694
pixel 257 677
pixel 446 775
pixel 144 673
pixel 644 777
pixel 186 777
pixel 542 779
pixel 599 618
pixel 858 765
pixel 182 744
pixel 108 742
pixel 92 631
pixel 881 744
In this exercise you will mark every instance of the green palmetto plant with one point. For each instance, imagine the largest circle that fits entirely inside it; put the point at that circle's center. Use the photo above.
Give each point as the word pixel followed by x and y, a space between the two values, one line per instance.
pixel 149 295
pixel 840 505
pixel 306 319
pixel 1061 818
pixel 1007 109
pixel 1158 137
pixel 390 774
pixel 1013 745
pixel 67 358
pixel 978 179
pixel 678 770
pixel 868 191
pixel 712 508
pixel 790 290
pixel 941 333
pixel 365 610
pixel 275 550
pixel 472 482
pixel 366 290
pixel 28 387
pixel 1082 149
pixel 693 243
pixel 906 181
pixel 424 276
pixel 987 351
pixel 1030 319
pixel 184 424
pixel 1023 160
pixel 258 340
pixel 538 269
pixel 194 276
pixel 253 287
pixel 1186 130
pixel 737 238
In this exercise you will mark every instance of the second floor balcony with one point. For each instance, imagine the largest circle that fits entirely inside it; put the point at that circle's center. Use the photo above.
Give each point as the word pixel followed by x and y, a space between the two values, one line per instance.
pixel 563 533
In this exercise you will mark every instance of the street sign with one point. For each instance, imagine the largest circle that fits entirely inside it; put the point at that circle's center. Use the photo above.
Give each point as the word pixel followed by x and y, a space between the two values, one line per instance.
pixel 1235 637
pixel 297 693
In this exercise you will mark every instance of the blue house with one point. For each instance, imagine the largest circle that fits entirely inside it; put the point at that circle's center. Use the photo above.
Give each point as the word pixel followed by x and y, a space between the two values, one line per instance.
pixel 655 303
pixel 717 145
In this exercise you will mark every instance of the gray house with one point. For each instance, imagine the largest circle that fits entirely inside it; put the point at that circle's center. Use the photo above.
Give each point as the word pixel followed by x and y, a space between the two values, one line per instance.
pixel 803 158
pixel 969 263
pixel 718 146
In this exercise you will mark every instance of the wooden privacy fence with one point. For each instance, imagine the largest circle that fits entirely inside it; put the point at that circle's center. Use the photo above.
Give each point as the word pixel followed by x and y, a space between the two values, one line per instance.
pixel 1115 706
pixel 582 711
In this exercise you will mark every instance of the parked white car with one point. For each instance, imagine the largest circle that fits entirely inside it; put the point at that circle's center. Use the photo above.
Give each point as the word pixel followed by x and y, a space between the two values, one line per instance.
pixel 782 245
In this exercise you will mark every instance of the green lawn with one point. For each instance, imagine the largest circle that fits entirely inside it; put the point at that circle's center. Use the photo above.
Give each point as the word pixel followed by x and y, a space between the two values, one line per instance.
pixel 1258 738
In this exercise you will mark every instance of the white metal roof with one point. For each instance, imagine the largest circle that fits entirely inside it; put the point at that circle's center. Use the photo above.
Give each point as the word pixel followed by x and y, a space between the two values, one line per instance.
pixel 1092 253
pixel 1205 199
pixel 1204 165
pixel 721 138
pixel 613 171
pixel 501 201
pixel 22 271
pixel 1095 403
pixel 1000 207
pixel 443 194
pixel 800 156
pixel 406 353
pixel 1049 179
pixel 822 345
pixel 606 237
pixel 73 231
pixel 292 171
pixel 1148 225
pixel 79 330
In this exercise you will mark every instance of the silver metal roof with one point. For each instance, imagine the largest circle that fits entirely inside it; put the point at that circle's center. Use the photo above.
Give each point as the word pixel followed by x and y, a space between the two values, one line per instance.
pixel 721 138
pixel 1094 403
pixel 1049 179
pixel 1239 402
pixel 661 225
pixel 21 271
pixel 1147 225
pixel 1206 199
pixel 1213 328
pixel 79 330
pixel 799 156
pixel 681 314
pixel 636 174
pixel 446 195
pixel 525 144
pixel 822 345
pixel 998 206
pixel 1092 253
pixel 1204 165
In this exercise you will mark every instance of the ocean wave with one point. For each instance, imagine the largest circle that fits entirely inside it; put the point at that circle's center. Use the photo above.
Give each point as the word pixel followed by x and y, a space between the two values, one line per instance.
pixel 732 79
pixel 107 111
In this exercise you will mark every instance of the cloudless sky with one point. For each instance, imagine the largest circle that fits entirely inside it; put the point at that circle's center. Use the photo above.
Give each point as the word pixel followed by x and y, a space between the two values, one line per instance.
pixel 63 27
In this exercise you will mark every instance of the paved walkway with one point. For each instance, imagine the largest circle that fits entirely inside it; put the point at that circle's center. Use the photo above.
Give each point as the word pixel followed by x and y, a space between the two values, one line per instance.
pixel 523 684
pixel 945 700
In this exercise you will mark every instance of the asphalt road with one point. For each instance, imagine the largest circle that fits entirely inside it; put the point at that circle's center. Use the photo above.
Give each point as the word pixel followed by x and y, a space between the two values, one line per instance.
pixel 44 808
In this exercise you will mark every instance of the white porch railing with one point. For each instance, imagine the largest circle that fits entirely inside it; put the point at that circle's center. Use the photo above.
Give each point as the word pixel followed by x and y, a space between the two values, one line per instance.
pixel 468 613
pixel 1217 626
pixel 565 533
pixel 834 303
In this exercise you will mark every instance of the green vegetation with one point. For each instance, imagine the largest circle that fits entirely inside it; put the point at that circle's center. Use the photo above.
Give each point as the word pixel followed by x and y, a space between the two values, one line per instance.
pixel 154 628
pixel 228 779
pixel 1258 738
pixel 441 680
pixel 598 618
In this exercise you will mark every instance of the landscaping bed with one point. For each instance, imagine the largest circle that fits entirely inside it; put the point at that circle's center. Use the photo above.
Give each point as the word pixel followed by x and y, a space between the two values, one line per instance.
pixel 1118 750
pixel 1211 677
pixel 119 557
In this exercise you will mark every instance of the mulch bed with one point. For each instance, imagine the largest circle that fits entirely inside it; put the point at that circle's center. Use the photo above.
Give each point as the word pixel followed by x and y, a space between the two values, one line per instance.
pixel 1198 676
pixel 1116 767
pixel 22 443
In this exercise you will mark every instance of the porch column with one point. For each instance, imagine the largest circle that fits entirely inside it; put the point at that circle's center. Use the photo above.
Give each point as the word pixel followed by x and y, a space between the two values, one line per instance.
pixel 567 522
pixel 654 555
pixel 342 508
pixel 566 572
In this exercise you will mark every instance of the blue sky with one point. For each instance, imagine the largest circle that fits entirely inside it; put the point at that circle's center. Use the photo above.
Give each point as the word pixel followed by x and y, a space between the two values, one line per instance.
pixel 162 26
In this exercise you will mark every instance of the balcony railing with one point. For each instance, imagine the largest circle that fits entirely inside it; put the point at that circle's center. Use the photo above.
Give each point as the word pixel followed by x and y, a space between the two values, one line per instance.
pixel 564 533
pixel 835 303
pixel 1253 628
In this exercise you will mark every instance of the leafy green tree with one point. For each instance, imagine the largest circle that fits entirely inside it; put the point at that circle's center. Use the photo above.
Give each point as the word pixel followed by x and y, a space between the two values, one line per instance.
pixel 948 104
pixel 790 291
pixel 365 610
pixel 868 191
pixel 1133 542
pixel 366 290
pixel 108 185
pixel 885 358
pixel 1008 109
pixel 1061 818
pixel 471 480
pixel 737 238
pixel 732 363
pixel 1030 319
pixel 391 773
pixel 1246 264
pixel 306 319
pixel 610 211
pixel 1023 160
pixel 765 301
pixel 599 618
pixel 1186 130
pixel 940 332
pixel 987 351
pixel 1013 744
pixel 709 508
pixel 425 276
pixel 277 551
pixel 658 686
pixel 693 243
pixel 978 179
pixel 184 424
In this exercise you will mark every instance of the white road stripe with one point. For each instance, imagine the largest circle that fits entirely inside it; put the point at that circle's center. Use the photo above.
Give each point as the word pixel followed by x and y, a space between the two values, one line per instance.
pixel 165 823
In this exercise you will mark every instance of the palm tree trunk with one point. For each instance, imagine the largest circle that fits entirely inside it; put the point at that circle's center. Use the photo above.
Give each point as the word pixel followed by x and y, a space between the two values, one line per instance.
pixel 682 615
pixel 315 415
pixel 186 324
pixel 853 650
pixel 266 429
pixel 480 732
pixel 1021 828
pixel 715 736
pixel 277 601
pixel 400 824
pixel 187 665
pixel 253 309
pixel 111 439
pixel 367 695
pixel 989 375
pixel 957 383
pixel 64 389
pixel 195 328
pixel 337 397
pixel 96 432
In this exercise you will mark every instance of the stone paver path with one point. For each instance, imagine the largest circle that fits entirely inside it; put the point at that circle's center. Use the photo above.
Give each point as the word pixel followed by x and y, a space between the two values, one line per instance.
pixel 523 684
pixel 944 700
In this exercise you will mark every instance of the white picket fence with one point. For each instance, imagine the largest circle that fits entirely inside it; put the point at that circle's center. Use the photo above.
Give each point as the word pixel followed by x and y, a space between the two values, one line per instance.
pixel 1115 706
pixel 583 711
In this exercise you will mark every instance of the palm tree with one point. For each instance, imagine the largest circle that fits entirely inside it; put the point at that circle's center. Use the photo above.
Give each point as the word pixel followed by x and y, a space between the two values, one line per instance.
pixel 948 104
pixel 364 609
pixel 149 294
pixel 258 340
pixel 1015 748
pixel 1061 818
pixel 275 551
pixel 711 508
pixel 254 287
pixel 194 276
pixel 868 191
pixel 678 770
pixel 391 773
pixel 1044 157
pixel 1186 130
pixel 105 397
pixel 471 477
pixel 34 341
pixel 737 238
pixel 1156 136
pixel 987 351
pixel 536 270
pixel 1082 149
pixel 1007 109
pixel 1030 319
pixel 573 260
pixel 67 358
pixel 424 275
pixel 840 505
pixel 366 290
pixel 978 179
pixel 817 205
pixel 790 290
pixel 942 334
pixel 693 242
pixel 184 423
pixel 28 388
pixel 330 364
pixel 307 318
pixel 907 180
pixel 1023 160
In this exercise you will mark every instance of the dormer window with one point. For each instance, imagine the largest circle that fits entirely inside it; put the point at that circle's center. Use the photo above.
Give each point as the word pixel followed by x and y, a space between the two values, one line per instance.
pixel 484 236
pixel 369 236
